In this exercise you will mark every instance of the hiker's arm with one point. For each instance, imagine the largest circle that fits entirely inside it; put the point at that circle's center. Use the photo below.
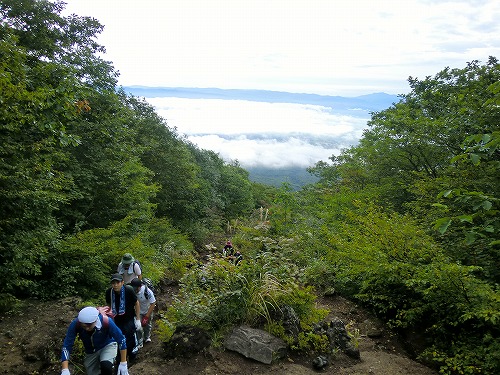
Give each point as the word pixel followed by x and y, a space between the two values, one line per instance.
pixel 137 310
pixel 64 366
pixel 150 310
pixel 137 319
pixel 123 367
pixel 117 334
pixel 67 346
pixel 123 355
pixel 138 271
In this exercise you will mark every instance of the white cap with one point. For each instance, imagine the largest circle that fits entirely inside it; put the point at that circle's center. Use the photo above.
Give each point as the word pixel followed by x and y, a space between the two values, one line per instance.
pixel 88 315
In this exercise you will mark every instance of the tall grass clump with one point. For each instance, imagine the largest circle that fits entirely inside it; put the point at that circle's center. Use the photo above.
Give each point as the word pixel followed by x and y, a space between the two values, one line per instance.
pixel 218 295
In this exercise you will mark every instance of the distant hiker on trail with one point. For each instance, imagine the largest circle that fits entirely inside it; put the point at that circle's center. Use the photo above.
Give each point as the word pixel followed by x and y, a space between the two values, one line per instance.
pixel 101 339
pixel 237 258
pixel 228 249
pixel 147 301
pixel 230 254
pixel 129 268
pixel 124 304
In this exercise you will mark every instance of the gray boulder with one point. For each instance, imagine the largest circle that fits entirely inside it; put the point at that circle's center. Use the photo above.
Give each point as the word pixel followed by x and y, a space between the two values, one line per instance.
pixel 256 344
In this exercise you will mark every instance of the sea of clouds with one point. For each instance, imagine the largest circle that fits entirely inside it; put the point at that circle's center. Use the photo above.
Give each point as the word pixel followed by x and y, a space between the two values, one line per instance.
pixel 274 135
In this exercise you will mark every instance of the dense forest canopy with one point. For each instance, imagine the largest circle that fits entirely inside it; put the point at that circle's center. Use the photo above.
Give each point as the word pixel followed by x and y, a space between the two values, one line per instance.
pixel 78 155
pixel 406 222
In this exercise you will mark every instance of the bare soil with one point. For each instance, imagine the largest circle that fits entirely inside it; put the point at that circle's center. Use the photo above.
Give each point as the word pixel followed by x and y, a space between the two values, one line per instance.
pixel 31 339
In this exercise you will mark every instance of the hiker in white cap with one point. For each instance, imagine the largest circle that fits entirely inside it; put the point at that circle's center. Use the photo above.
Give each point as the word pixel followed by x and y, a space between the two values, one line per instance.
pixel 101 340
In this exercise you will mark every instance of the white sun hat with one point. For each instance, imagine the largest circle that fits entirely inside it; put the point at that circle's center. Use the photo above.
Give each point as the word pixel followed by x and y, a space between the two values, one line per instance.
pixel 88 315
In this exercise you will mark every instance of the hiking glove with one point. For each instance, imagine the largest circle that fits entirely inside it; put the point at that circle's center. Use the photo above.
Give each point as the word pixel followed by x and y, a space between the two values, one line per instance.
pixel 122 368
pixel 138 325
pixel 144 321
pixel 65 371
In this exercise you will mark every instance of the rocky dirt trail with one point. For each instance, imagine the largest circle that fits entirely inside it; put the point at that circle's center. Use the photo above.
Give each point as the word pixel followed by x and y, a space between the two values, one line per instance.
pixel 31 338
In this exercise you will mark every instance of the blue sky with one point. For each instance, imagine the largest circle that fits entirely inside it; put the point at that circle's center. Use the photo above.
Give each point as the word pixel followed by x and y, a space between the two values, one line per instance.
pixel 326 47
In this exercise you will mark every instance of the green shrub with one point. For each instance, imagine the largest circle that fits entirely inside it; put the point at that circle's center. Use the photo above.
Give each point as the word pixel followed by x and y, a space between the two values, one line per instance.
pixel 219 294
pixel 312 342
pixel 8 303
pixel 82 264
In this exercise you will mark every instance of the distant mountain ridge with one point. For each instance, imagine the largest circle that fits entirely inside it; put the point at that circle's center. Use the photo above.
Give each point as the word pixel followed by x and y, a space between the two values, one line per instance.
pixel 369 102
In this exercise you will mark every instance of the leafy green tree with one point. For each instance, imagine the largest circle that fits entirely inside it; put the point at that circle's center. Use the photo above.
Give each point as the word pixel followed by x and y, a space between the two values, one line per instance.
pixel 110 179
pixel 68 41
pixel 32 117
pixel 263 194
pixel 395 262
pixel 234 188
pixel 415 138
pixel 471 226
pixel 55 94
pixel 183 193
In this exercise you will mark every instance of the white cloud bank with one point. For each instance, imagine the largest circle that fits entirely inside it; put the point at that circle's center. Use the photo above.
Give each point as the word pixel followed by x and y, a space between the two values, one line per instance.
pixel 268 153
pixel 260 133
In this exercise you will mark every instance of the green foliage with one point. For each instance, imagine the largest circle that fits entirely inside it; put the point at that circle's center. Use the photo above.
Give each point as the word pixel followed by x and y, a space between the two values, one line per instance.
pixel 165 330
pixel 235 188
pixel 460 359
pixel 88 173
pixel 388 263
pixel 32 133
pixel 84 262
pixel 474 214
pixel 416 137
pixel 8 303
pixel 218 294
pixel 440 280
pixel 263 195
pixel 312 342
pixel 81 159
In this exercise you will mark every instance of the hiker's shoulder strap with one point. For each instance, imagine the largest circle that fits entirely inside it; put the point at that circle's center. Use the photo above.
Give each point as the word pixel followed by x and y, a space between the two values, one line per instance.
pixel 105 321
pixel 104 311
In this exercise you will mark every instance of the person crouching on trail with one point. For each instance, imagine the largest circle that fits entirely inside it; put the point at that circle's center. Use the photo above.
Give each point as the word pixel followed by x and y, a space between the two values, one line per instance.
pixel 147 301
pixel 124 304
pixel 101 339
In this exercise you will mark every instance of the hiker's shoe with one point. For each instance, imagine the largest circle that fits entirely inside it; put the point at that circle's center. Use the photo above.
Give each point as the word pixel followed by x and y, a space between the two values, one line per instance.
pixel 148 340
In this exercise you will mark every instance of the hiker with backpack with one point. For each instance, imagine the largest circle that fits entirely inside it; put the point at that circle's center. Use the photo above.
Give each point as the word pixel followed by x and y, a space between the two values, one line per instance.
pixel 101 339
pixel 228 249
pixel 129 268
pixel 237 258
pixel 125 308
pixel 147 301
